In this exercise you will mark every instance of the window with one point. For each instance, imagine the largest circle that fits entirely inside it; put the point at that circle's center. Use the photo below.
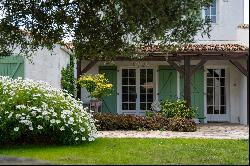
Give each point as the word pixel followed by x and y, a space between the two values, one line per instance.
pixel 216 91
pixel 210 12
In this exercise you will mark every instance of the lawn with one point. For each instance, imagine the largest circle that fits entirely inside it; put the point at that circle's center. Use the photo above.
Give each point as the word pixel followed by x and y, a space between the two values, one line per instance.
pixel 139 151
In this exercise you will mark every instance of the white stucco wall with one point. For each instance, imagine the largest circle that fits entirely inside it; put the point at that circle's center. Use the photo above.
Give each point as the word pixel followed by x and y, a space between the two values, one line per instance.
pixel 243 35
pixel 230 13
pixel 46 65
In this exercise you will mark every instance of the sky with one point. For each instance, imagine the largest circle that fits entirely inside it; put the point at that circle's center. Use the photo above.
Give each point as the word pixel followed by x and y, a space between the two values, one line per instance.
pixel 246 11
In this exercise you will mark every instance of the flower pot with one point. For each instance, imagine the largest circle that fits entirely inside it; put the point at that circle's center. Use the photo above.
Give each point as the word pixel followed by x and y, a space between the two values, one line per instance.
pixel 95 104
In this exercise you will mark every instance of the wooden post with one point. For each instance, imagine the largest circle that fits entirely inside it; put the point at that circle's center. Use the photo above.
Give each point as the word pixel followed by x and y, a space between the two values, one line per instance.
pixel 187 82
pixel 78 88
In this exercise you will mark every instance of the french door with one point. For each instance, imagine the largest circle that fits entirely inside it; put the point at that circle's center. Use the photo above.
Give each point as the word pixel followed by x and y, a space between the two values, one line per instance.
pixel 217 109
pixel 137 90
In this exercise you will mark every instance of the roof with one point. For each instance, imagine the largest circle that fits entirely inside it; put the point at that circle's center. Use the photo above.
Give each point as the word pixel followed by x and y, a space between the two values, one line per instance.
pixel 194 47
pixel 243 26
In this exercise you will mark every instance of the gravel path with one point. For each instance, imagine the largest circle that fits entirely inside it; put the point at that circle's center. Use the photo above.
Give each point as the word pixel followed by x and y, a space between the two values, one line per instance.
pixel 216 131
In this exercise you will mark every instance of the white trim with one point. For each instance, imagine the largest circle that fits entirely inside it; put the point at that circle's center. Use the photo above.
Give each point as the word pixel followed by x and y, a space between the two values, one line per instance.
pixel 119 87
pixel 178 85
pixel 118 82
pixel 227 88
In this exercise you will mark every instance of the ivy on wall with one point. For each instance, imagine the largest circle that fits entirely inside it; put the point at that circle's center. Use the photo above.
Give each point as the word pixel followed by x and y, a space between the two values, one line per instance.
pixel 68 80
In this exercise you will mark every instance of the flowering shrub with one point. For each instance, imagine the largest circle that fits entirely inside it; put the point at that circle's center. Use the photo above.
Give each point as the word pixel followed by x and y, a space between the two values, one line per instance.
pixel 177 109
pixel 97 85
pixel 35 112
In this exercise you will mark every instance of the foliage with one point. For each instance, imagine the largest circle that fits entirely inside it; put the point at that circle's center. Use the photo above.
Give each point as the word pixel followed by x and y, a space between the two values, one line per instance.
pixel 68 79
pixel 35 112
pixel 140 151
pixel 100 28
pixel 97 85
pixel 108 121
pixel 177 109
pixel 181 124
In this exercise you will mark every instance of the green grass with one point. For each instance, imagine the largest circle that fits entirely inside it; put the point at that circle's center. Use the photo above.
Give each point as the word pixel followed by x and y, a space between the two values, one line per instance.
pixel 139 151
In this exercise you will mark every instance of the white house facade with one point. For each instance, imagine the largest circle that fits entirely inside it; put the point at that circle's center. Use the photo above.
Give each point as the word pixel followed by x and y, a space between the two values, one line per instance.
pixel 218 85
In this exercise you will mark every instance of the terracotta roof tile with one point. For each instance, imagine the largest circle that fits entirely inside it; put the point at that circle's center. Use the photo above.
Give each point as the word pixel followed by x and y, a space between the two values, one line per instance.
pixel 243 26
pixel 197 47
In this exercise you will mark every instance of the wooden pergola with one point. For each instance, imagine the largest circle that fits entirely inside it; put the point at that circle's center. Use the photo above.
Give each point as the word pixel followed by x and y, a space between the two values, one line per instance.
pixel 186 70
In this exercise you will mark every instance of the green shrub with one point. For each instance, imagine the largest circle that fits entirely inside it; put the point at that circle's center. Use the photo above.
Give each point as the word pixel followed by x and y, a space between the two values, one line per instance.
pixel 177 108
pixel 35 112
pixel 181 124
pixel 108 121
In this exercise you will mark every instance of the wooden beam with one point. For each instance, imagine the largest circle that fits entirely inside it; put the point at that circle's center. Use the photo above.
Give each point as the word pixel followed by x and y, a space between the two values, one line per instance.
pixel 239 67
pixel 177 67
pixel 88 67
pixel 187 81
pixel 199 65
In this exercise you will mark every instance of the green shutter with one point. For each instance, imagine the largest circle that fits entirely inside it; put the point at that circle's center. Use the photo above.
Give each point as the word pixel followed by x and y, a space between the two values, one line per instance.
pixel 110 102
pixel 12 66
pixel 197 90
pixel 167 83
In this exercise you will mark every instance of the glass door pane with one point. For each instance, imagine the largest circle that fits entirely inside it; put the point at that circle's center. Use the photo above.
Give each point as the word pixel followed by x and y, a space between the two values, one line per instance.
pixel 216 97
pixel 129 89
pixel 146 89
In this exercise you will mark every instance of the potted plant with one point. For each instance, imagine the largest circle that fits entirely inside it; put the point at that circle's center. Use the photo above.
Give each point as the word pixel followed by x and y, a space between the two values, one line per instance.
pixel 97 85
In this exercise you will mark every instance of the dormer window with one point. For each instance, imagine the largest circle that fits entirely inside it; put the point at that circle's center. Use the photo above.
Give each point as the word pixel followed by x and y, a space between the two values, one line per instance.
pixel 210 12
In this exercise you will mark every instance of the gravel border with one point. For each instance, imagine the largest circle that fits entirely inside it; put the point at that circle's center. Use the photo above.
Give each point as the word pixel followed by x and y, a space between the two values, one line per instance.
pixel 215 131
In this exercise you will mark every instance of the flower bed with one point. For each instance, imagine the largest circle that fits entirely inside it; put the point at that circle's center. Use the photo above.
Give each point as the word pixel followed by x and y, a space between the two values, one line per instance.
pixel 35 112
pixel 108 121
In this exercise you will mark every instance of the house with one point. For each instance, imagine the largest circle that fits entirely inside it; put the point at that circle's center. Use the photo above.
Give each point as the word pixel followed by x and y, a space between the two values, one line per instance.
pixel 214 71
pixel 44 65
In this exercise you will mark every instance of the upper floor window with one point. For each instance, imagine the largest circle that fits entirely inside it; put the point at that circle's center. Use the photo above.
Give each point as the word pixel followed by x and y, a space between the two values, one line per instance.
pixel 210 12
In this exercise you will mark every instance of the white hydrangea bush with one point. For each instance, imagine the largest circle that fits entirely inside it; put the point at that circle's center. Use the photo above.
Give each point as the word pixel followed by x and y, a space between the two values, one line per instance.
pixel 35 111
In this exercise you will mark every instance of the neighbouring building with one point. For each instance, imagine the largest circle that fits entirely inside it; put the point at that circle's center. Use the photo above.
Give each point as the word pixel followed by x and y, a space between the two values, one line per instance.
pixel 45 65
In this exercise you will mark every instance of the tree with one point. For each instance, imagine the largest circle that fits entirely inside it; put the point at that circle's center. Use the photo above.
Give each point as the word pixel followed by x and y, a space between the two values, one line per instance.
pixel 99 28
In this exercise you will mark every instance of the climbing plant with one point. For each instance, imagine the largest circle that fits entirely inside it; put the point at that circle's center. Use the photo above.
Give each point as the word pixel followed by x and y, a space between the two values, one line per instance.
pixel 68 81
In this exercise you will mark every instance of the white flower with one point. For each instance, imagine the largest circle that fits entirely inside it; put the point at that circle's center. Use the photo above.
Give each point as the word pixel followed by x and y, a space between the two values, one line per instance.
pixel 20 106
pixel 83 138
pixel 82 129
pixel 10 115
pixel 76 138
pixel 31 128
pixel 18 115
pixel 75 132
pixel 52 121
pixel 91 138
pixel 16 128
pixel 39 127
pixel 58 121
pixel 62 128
pixel 45 113
pixel 54 114
pixel 33 113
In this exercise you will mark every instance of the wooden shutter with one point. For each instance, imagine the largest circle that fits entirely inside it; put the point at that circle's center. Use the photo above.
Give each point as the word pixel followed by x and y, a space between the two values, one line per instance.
pixel 12 66
pixel 197 91
pixel 110 102
pixel 167 83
